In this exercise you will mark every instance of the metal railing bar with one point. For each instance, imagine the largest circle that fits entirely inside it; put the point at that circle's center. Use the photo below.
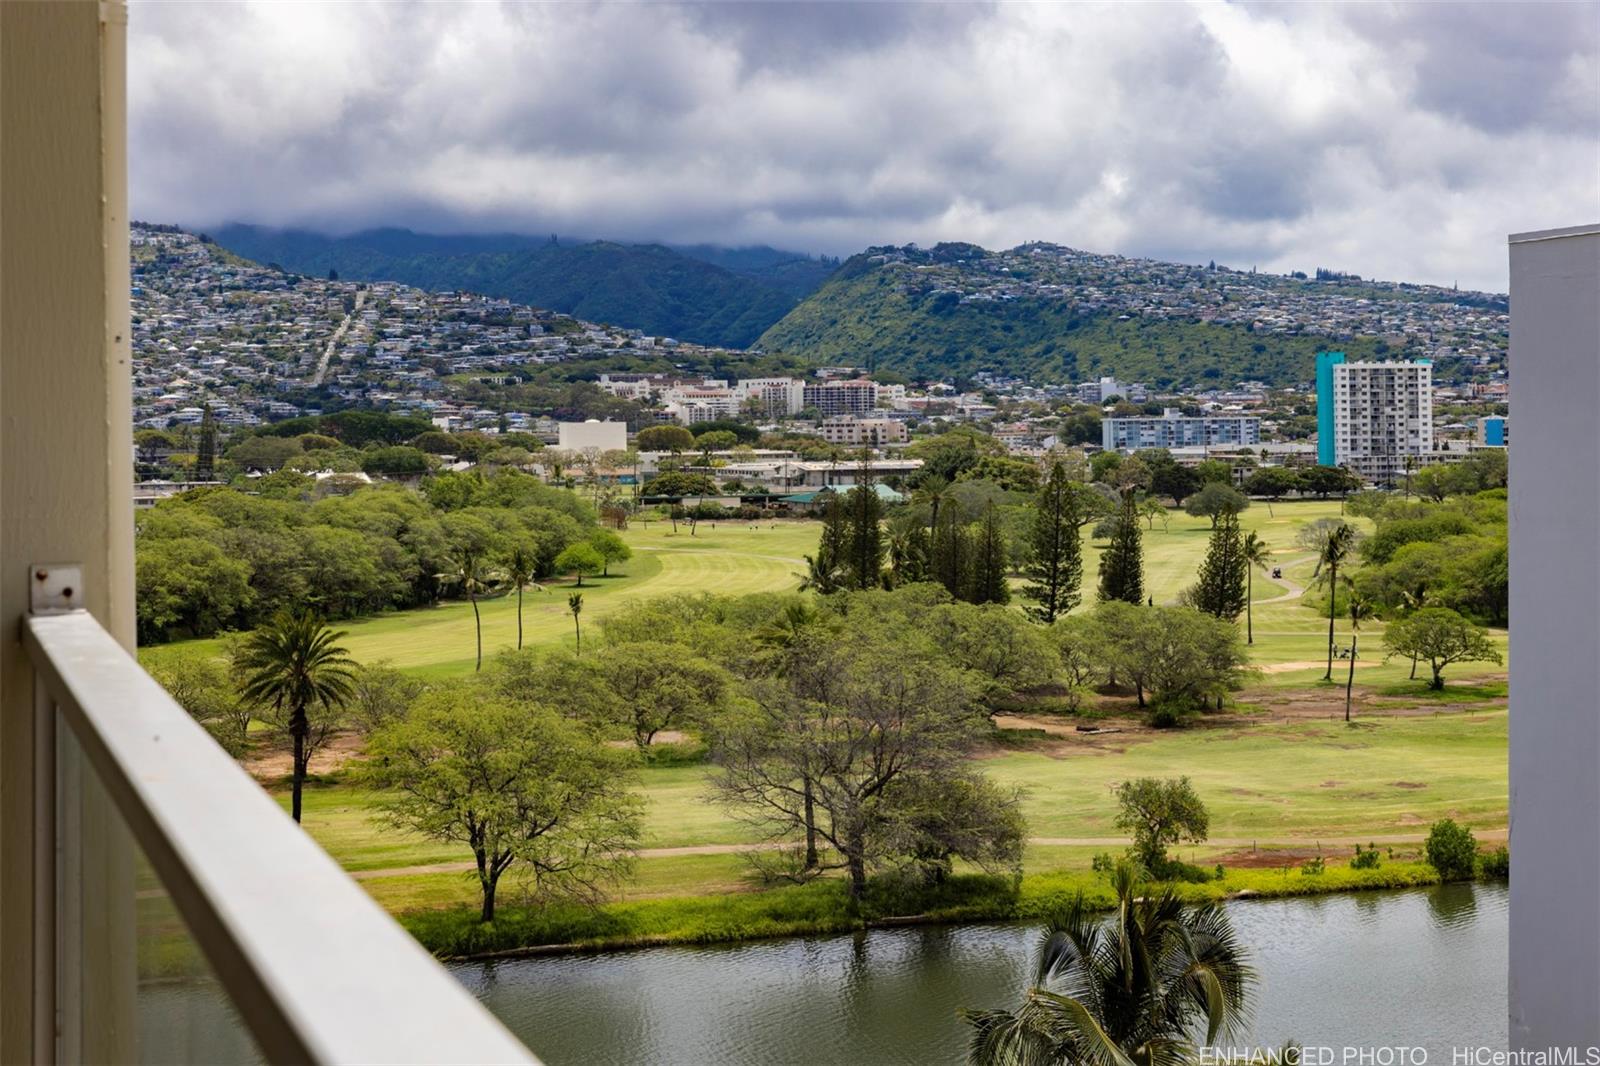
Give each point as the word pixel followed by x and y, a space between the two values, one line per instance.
pixel 68 871
pixel 45 845
pixel 317 971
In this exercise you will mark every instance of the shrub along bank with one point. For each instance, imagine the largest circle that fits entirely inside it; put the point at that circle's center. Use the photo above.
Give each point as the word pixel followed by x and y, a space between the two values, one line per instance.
pixel 823 906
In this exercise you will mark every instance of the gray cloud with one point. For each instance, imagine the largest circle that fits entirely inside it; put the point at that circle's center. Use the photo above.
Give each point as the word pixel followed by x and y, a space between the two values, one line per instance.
pixel 1400 142
pixel 794 34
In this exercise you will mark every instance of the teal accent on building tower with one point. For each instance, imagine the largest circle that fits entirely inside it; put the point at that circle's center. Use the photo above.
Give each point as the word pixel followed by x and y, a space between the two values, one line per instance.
pixel 1326 361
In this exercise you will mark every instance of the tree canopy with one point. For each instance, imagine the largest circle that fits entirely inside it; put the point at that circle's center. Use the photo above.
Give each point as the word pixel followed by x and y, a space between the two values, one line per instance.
pixel 522 788
pixel 1439 637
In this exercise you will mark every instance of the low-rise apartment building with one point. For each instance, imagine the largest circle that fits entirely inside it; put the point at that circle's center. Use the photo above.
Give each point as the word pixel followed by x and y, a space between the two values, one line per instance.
pixel 860 432
pixel 1174 429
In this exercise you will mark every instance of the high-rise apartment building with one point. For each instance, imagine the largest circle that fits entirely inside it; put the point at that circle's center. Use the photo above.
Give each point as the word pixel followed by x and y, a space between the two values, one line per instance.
pixel 1372 416
pixel 771 397
pixel 842 397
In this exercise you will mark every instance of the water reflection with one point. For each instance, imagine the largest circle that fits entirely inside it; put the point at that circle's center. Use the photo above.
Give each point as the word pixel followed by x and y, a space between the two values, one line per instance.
pixel 1423 967
pixel 1452 905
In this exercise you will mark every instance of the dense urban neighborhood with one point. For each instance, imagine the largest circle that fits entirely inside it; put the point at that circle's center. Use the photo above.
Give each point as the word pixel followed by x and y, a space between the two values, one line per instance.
pixel 256 345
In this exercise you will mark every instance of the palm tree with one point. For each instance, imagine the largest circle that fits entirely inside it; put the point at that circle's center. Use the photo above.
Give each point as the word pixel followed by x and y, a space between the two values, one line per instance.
pixel 520 567
pixel 819 576
pixel 1336 549
pixel 1359 610
pixel 575 605
pixel 1129 992
pixel 291 663
pixel 908 550
pixel 1256 553
pixel 786 630
pixel 471 571
pixel 934 491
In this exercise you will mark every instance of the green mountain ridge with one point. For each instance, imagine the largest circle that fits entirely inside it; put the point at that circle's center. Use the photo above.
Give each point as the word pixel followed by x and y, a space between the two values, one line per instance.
pixel 1042 312
pixel 864 320
pixel 703 294
pixel 1047 313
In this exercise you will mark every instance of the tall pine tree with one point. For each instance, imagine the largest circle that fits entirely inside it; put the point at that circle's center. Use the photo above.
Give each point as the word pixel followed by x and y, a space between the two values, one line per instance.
pixel 1056 569
pixel 1122 563
pixel 1221 590
pixel 950 561
pixel 864 541
pixel 989 561
pixel 205 459
pixel 828 568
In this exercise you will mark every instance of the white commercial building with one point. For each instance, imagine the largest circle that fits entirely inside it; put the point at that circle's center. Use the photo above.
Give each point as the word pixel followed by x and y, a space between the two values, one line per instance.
pixel 823 475
pixel 1108 388
pixel 695 404
pixel 581 436
pixel 1382 413
pixel 629 386
pixel 771 397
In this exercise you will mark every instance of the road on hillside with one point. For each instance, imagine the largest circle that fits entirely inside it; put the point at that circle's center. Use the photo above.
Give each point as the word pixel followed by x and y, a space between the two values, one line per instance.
pixel 338 335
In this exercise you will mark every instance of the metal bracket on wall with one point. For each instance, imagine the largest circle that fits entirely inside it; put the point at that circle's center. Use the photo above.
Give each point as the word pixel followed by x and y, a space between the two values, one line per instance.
pixel 55 588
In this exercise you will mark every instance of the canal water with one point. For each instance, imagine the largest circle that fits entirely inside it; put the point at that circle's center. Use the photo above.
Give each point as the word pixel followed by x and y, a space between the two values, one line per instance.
pixel 1417 968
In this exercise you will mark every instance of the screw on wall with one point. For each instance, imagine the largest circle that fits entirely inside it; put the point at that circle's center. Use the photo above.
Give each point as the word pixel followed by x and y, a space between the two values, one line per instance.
pixel 55 588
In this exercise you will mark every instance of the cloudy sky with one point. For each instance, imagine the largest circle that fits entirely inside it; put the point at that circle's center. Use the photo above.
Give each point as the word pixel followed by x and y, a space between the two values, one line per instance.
pixel 1400 142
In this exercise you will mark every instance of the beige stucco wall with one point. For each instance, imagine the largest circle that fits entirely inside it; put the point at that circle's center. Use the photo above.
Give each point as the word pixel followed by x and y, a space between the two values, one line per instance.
pixel 65 432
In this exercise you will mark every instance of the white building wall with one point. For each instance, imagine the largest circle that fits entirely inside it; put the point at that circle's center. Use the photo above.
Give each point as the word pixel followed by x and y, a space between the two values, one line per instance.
pixel 1555 671
pixel 580 436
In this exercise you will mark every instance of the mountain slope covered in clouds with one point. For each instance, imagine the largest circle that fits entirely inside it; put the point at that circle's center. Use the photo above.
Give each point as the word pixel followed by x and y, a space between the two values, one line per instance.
pixel 704 294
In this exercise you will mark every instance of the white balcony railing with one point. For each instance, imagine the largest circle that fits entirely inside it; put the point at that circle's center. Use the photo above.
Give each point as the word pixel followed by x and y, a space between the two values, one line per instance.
pixel 317 971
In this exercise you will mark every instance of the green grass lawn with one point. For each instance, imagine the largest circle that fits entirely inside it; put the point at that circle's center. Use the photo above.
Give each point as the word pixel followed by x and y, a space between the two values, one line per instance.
pixel 731 559
pixel 740 557
pixel 1294 781
pixel 1173 549
pixel 1297 782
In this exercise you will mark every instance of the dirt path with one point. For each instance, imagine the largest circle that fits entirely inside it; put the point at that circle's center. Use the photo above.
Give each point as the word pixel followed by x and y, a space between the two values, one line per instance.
pixel 1315 664
pixel 272 760
pixel 719 551
pixel 1071 842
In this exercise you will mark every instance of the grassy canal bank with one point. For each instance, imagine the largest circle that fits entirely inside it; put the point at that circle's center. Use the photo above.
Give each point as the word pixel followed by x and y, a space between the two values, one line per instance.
pixel 822 907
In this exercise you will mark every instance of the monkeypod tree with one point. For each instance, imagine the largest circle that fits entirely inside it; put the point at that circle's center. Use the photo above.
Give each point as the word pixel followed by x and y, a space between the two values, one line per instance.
pixel 1439 636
